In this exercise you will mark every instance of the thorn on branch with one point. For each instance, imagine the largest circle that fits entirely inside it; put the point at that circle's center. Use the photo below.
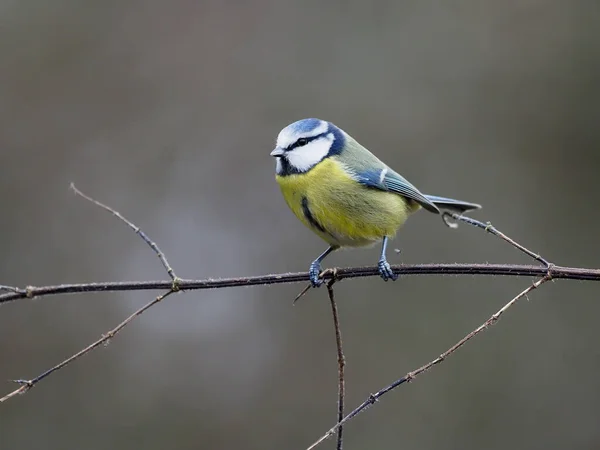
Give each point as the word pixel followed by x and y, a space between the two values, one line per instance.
pixel 302 293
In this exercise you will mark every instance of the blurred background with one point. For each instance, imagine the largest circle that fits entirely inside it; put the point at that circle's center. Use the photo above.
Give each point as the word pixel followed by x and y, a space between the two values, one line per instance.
pixel 167 111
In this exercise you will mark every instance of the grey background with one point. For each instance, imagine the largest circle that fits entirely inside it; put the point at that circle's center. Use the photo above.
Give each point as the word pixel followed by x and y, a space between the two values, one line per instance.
pixel 167 111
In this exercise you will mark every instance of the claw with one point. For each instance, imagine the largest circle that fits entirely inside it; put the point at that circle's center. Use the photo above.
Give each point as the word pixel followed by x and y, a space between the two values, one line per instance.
pixel 386 271
pixel 315 268
pixel 313 273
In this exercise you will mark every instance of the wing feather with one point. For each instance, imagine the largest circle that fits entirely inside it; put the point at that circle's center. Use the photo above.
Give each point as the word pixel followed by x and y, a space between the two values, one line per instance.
pixel 386 179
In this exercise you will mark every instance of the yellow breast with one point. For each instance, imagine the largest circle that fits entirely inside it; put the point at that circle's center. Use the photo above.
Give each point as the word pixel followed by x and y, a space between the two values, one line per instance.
pixel 339 209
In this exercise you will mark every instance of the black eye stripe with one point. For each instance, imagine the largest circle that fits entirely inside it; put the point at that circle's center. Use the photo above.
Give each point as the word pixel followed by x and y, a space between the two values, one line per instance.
pixel 301 142
pixel 336 148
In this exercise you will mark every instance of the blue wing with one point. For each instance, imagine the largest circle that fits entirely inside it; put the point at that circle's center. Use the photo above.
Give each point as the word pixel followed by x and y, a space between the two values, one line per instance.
pixel 386 179
pixel 452 204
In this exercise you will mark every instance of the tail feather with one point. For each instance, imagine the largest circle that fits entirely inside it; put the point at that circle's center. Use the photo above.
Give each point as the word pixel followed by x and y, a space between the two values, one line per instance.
pixel 451 204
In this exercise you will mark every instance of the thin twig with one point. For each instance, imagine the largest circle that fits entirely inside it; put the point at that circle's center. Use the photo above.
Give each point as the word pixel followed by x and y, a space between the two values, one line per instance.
pixel 136 230
pixel 493 230
pixel 341 359
pixel 412 375
pixel 302 293
pixel 549 269
pixel 16 290
pixel 28 384
pixel 29 293
pixel 515 270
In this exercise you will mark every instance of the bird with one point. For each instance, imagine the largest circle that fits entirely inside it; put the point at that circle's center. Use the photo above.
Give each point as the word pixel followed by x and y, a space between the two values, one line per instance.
pixel 344 193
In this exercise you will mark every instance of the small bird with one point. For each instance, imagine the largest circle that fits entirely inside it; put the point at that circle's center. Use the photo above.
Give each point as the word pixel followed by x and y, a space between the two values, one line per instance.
pixel 344 193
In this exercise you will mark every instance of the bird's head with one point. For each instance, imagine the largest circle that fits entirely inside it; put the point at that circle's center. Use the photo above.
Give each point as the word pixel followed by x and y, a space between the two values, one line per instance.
pixel 304 144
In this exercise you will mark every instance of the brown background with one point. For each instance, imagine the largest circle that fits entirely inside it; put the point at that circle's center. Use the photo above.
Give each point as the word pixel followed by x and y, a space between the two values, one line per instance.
pixel 168 111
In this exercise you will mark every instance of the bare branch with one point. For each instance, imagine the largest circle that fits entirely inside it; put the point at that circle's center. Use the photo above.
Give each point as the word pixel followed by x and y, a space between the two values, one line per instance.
pixel 340 357
pixel 412 375
pixel 549 273
pixel 16 290
pixel 136 230
pixel 492 230
pixel 515 270
pixel 28 384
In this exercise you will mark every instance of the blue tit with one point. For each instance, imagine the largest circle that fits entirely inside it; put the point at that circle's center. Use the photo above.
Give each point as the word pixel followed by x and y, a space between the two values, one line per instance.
pixel 344 193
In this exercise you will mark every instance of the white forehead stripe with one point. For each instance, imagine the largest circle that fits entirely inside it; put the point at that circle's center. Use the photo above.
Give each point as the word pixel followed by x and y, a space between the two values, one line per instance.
pixel 304 158
pixel 293 132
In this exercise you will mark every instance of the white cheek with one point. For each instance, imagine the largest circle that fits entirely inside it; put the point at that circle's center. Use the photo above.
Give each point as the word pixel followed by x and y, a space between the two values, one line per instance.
pixel 278 167
pixel 303 158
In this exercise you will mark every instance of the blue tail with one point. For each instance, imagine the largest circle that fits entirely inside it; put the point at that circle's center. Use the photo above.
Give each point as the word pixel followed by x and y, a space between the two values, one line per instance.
pixel 450 204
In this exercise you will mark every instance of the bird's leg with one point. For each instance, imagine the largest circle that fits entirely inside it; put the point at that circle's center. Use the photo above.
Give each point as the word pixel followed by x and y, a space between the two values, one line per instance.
pixel 384 267
pixel 315 267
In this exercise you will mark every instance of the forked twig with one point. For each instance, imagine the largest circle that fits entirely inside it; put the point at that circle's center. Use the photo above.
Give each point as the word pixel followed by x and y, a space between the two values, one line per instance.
pixel 28 384
pixel 412 375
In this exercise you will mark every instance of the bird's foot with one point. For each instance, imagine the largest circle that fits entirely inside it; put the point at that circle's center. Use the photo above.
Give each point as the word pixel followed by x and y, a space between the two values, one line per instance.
pixel 385 271
pixel 313 274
